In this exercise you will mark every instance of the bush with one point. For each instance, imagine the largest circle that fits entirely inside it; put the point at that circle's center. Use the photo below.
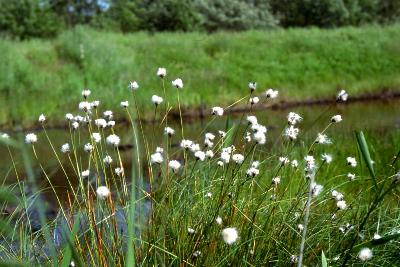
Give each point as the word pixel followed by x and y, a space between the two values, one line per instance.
pixel 28 18
pixel 235 15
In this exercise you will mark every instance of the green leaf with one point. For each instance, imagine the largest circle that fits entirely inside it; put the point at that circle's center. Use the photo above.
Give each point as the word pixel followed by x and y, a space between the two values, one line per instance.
pixel 6 196
pixel 377 242
pixel 323 259
pixel 362 145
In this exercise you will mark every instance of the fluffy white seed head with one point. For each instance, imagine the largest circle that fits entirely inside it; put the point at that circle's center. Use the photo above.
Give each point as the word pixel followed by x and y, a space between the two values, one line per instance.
pixel 178 83
pixel 86 93
pixel 336 118
pixel 119 171
pixel 156 158
pixel 107 159
pixel 65 148
pixel 365 254
pixel 162 72
pixel 133 86
pixel 351 161
pixel 96 137
pixel 30 138
pixel 252 120
pixel 271 93
pixel 157 100
pixel 342 96
pixel 252 86
pixel 326 158
pixel 174 165
pixel 230 235
pixel 113 140
pixel 291 132
pixel 294 118
pixel 42 118
pixel 238 158
pixel 102 192
pixel 209 154
pixel 88 147
pixel 323 139
pixel 169 131
pixel 124 104
pixel 254 100
pixel 200 155
pixel 85 174
pixel 102 123
pixel 341 204
pixel 69 116
pixel 218 111
pixel 218 220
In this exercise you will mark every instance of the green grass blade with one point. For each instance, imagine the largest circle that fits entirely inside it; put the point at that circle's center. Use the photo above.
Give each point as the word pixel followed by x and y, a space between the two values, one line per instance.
pixel 377 242
pixel 323 260
pixel 362 145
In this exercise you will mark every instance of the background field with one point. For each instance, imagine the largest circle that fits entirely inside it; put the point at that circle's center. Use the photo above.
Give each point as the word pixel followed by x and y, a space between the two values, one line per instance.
pixel 48 75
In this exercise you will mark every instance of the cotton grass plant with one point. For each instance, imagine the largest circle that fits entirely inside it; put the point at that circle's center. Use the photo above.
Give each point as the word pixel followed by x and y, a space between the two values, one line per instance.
pixel 228 197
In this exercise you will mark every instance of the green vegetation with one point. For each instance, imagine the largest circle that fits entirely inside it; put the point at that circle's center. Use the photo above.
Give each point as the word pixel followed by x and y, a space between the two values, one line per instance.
pixel 285 200
pixel 47 75
pixel 43 18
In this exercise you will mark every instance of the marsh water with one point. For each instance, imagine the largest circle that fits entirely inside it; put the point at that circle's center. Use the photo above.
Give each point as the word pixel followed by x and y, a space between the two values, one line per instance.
pixel 379 120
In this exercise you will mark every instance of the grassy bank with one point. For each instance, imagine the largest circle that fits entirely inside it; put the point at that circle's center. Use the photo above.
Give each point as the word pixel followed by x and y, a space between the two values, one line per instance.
pixel 46 76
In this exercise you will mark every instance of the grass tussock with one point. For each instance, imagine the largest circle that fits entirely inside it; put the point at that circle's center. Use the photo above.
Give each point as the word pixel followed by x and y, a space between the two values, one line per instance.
pixel 232 197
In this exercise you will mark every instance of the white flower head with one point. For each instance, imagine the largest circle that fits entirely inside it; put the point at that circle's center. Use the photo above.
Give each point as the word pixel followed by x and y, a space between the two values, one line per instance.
pixel 133 86
pixel 69 116
pixel 88 147
pixel 65 148
pixel 291 132
pixel 186 144
pixel 124 104
pixel 254 100
pixel 341 204
pixel 157 100
pixel 259 137
pixel 342 96
pixel 107 159
pixel 336 118
pixel 156 158
pixel 218 111
pixel 85 106
pixel 252 86
pixel 271 93
pixel 75 125
pixel 102 192
pixel 238 158
pixel 209 154
pixel 252 120
pixel 200 155
pixel 209 195
pixel 96 137
pixel 191 231
pixel 86 93
pixel 316 189
pixel 326 158
pixel 300 227
pixel 95 103
pixel 230 235
pixel 276 180
pixel 222 134
pixel 194 147
pixel 42 118
pixel 102 123
pixel 351 176
pixel 113 140
pixel 365 254
pixel 252 172
pixel 119 171
pixel 111 123
pixel 323 139
pixel 377 236
pixel 108 114
pixel 284 160
pixel 294 164
pixel 351 161
pixel 218 220
pixel 197 253
pixel 162 72
pixel 169 131
pixel 294 118
pixel 174 165
pixel 178 83
pixel 225 157
pixel 209 136
pixel 255 164
pixel 30 138
pixel 85 173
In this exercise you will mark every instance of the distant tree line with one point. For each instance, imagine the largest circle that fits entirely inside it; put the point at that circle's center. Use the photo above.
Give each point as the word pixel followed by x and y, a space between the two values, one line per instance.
pixel 45 18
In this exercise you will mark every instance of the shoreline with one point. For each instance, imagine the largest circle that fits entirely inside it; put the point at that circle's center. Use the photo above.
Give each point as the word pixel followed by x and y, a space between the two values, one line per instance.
pixel 191 114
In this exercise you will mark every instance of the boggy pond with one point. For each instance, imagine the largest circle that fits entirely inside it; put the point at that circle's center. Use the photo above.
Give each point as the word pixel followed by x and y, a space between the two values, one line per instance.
pixel 378 119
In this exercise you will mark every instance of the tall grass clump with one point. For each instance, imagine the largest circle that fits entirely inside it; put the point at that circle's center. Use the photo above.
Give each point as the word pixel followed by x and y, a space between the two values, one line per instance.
pixel 226 197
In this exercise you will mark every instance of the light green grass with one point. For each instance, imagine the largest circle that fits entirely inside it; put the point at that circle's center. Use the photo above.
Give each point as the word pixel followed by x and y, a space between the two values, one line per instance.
pixel 47 75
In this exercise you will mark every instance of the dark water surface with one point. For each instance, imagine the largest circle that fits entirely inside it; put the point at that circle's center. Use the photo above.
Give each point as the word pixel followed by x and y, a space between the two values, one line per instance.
pixel 377 119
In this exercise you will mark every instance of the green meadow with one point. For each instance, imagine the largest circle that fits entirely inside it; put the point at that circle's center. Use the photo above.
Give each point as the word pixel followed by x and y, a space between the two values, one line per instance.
pixel 46 76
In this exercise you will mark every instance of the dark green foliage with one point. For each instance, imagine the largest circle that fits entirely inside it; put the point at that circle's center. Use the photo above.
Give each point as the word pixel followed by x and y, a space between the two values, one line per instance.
pixel 235 15
pixel 28 18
